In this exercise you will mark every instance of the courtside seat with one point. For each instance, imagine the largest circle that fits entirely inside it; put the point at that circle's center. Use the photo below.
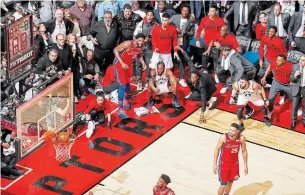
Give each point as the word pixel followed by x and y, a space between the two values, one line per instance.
pixel 244 43
pixel 253 57
pixel 193 43
pixel 294 56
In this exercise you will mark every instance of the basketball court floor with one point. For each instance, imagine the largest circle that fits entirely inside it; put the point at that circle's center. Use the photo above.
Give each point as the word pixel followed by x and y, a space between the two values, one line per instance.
pixel 276 161
pixel 129 159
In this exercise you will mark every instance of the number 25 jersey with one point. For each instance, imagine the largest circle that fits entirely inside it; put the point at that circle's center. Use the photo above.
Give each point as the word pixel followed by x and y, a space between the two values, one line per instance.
pixel 230 150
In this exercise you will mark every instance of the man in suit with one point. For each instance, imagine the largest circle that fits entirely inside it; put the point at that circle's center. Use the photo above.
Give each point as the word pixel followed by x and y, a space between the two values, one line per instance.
pixel 64 52
pixel 281 21
pixel 59 25
pixel 245 15
pixel 186 31
pixel 297 77
pixel 296 30
pixel 231 63
pixel 160 10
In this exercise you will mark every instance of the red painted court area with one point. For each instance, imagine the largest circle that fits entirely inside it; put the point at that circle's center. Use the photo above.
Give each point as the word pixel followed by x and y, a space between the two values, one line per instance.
pixel 95 158
pixel 88 165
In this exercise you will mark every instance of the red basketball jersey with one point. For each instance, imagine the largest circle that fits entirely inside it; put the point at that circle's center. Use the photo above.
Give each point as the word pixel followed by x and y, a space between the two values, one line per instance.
pixel 230 150
pixel 128 56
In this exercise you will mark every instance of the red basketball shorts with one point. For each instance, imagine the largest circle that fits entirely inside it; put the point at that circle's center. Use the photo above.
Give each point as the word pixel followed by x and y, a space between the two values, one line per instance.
pixel 123 75
pixel 228 172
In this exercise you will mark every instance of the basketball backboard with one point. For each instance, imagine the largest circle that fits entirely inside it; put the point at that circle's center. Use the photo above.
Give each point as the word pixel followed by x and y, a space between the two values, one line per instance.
pixel 52 109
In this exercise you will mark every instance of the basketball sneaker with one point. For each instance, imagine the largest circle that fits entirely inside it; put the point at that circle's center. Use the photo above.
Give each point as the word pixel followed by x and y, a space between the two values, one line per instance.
pixel 267 121
pixel 122 114
pixel 90 129
pixel 176 103
pixel 249 113
pixel 139 86
pixel 212 103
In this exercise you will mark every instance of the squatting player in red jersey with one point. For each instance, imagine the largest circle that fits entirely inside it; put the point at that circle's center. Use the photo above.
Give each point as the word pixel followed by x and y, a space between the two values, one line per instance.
pixel 125 54
pixel 228 167
pixel 161 187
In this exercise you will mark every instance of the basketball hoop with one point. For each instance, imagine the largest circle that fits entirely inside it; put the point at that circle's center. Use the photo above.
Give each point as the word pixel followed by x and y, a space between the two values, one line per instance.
pixel 62 142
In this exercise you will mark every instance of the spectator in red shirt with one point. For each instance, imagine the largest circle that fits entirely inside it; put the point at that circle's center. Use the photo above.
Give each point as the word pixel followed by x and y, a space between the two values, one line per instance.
pixel 164 39
pixel 274 47
pixel 211 26
pixel 97 109
pixel 261 28
pixel 225 39
pixel 281 70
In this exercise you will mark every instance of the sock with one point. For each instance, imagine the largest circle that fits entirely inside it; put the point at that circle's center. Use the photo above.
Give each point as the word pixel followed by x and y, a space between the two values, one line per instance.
pixel 174 97
pixel 121 95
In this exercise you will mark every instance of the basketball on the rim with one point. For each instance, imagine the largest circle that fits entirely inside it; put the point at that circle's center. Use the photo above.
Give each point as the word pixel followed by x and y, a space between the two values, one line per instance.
pixel 49 135
pixel 63 137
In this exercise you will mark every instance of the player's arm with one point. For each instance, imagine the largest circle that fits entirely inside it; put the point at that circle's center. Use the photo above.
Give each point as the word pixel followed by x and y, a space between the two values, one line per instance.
pixel 244 152
pixel 120 48
pixel 152 79
pixel 263 80
pixel 141 60
pixel 234 92
pixel 171 76
pixel 220 143
pixel 261 90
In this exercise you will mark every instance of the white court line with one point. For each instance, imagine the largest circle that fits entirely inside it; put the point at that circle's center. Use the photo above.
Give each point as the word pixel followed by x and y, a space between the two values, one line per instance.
pixel 114 109
pixel 29 170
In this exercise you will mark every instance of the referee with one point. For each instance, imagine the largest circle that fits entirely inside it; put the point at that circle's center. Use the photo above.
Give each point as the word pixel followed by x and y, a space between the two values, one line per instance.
pixel 281 70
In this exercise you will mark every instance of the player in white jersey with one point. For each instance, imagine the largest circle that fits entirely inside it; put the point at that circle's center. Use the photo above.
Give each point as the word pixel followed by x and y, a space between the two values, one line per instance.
pixel 162 81
pixel 249 91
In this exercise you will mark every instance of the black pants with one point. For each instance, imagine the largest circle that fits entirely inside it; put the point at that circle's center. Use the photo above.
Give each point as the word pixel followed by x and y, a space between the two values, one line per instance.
pixel 195 96
pixel 111 87
pixel 103 58
pixel 98 116
pixel 8 164
pixel 296 101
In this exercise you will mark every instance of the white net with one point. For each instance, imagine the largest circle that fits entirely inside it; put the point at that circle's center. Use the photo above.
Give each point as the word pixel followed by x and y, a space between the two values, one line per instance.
pixel 62 151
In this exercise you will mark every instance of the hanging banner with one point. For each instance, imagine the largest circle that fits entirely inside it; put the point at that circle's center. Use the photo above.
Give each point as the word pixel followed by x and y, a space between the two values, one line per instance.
pixel 20 42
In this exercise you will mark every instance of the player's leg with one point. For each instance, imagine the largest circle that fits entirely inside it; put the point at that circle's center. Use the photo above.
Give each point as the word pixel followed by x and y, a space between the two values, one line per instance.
pixel 240 109
pixel 223 176
pixel 150 89
pixel 173 88
pixel 121 76
pixel 101 117
pixel 228 188
pixel 261 104
pixel 93 114
pixel 274 90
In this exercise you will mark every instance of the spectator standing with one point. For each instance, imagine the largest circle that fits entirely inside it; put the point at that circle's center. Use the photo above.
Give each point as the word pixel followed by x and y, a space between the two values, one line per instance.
pixel 127 21
pixel 46 11
pixel 59 25
pixel 68 16
pixel 84 14
pixel 164 39
pixel 49 61
pixel 161 9
pixel 135 5
pixel 104 35
pixel 108 5
pixel 297 78
pixel 64 51
pixel 186 31
pixel 274 46
pixel 211 25
pixel 245 15
pixel 281 70
pixel 261 28
pixel 145 27
pixel 288 6
pixel 281 21
pixel 296 30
